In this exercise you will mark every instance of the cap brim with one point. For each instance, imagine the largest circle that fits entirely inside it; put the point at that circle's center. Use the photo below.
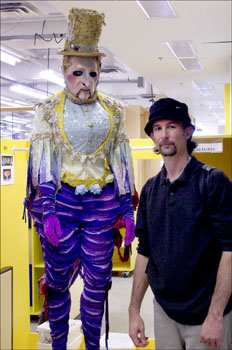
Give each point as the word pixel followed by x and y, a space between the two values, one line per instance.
pixel 79 53
pixel 148 127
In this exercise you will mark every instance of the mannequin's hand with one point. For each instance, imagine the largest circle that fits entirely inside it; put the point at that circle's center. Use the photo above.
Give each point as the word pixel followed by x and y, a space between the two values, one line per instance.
pixel 130 231
pixel 52 230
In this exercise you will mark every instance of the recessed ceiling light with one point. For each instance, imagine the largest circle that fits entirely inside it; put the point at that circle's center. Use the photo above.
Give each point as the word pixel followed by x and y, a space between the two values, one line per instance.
pixel 50 75
pixel 181 49
pixel 185 54
pixel 203 87
pixel 28 91
pixel 219 114
pixel 190 64
pixel 15 120
pixel 12 103
pixel 9 58
pixel 157 9
pixel 212 104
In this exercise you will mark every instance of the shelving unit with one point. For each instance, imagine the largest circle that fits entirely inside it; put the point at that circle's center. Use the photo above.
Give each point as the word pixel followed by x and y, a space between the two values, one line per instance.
pixel 37 270
pixel 124 266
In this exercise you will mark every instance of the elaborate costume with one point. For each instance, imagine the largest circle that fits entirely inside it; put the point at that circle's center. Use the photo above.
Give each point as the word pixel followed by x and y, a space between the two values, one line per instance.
pixel 80 183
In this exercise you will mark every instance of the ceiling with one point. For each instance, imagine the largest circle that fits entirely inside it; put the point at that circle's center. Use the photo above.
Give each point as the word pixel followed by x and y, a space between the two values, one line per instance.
pixel 139 65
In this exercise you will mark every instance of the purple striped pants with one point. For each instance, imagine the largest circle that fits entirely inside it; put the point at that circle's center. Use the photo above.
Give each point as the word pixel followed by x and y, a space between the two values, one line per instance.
pixel 87 236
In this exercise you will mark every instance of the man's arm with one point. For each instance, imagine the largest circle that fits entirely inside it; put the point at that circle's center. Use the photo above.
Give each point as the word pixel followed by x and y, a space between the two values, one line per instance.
pixel 140 284
pixel 212 328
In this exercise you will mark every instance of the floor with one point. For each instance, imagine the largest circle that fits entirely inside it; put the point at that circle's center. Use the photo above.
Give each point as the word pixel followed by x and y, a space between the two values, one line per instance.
pixel 119 298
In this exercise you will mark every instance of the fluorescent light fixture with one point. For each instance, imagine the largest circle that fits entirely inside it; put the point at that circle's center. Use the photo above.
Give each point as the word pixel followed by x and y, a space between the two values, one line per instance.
pixel 9 58
pixel 15 120
pixel 221 122
pixel 185 54
pixel 28 91
pixel 50 75
pixel 219 115
pixel 21 103
pixel 190 64
pixel 157 9
pixel 215 104
pixel 203 87
pixel 15 129
pixel 181 49
pixel 8 102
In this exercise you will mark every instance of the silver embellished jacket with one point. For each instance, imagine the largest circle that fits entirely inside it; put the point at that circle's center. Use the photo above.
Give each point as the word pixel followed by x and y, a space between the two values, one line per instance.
pixel 54 157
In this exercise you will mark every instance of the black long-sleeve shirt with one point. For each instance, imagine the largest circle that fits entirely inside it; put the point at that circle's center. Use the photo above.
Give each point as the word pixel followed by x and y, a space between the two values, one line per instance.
pixel 184 235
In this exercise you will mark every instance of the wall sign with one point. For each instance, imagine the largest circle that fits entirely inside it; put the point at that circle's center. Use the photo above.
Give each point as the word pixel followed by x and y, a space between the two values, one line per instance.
pixel 209 148
pixel 7 169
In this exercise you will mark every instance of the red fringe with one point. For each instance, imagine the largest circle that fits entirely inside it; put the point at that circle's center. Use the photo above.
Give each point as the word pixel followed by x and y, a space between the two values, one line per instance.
pixel 135 200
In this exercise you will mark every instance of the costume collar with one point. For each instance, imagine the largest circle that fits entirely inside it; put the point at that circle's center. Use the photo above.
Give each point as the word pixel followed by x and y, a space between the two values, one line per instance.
pixel 77 100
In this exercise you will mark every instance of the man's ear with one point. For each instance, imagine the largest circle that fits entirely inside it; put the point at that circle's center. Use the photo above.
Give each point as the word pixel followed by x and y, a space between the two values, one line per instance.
pixel 188 132
pixel 152 136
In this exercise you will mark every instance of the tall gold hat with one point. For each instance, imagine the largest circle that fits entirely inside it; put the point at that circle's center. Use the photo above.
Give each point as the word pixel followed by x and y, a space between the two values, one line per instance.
pixel 84 30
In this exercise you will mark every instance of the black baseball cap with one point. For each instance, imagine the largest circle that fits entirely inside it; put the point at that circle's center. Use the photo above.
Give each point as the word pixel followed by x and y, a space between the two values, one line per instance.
pixel 168 108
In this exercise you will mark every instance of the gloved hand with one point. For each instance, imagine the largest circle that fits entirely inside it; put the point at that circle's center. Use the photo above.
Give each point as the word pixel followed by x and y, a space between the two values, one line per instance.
pixel 130 231
pixel 128 217
pixel 51 223
pixel 52 230
pixel 129 224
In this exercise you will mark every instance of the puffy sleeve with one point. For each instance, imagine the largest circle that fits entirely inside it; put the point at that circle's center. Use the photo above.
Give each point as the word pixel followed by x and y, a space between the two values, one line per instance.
pixel 45 154
pixel 121 158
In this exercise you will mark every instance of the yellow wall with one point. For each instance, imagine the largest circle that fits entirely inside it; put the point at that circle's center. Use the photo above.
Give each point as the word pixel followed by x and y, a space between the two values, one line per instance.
pixel 14 242
pixel 227 109
pixel 219 160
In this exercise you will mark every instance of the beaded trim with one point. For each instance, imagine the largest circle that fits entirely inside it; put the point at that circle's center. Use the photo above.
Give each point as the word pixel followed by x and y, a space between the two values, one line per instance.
pixel 88 182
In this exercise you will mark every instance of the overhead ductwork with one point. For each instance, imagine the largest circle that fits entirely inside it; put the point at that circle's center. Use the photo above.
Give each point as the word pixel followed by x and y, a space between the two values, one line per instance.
pixel 18 9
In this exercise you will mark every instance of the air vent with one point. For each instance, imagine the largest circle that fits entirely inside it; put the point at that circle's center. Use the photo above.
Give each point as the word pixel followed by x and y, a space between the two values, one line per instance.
pixel 147 96
pixel 15 9
pixel 111 69
pixel 128 97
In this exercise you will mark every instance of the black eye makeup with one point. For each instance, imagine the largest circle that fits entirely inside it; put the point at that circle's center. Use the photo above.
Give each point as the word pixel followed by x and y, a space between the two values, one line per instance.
pixel 93 74
pixel 77 73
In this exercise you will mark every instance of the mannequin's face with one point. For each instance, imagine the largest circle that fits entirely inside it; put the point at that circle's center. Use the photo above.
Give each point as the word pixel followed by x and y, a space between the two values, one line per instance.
pixel 81 77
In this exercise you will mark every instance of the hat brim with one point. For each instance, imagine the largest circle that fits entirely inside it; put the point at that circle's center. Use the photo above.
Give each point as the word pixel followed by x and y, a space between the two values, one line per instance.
pixel 148 128
pixel 81 53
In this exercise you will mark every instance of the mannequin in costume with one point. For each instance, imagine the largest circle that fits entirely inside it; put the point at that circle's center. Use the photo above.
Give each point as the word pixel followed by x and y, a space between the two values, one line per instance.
pixel 80 183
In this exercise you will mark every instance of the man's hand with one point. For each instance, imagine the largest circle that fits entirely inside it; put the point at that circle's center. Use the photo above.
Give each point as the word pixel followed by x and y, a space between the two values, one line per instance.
pixel 136 330
pixel 212 331
pixel 52 230
pixel 212 328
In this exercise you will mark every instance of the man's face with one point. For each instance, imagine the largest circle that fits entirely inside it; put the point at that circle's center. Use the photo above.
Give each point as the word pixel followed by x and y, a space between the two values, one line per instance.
pixel 81 77
pixel 170 137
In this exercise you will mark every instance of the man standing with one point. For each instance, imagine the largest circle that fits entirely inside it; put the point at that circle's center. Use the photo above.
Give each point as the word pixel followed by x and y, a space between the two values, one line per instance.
pixel 185 242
